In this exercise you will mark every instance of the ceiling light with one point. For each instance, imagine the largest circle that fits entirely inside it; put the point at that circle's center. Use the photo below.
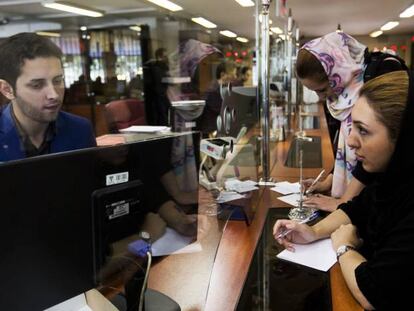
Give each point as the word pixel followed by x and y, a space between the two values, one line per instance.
pixel 64 6
pixel 245 3
pixel 389 26
pixel 48 34
pixel 228 33
pixel 408 12
pixel 83 28
pixel 276 30
pixel 203 22
pixel 241 39
pixel 375 34
pixel 167 5
pixel 135 28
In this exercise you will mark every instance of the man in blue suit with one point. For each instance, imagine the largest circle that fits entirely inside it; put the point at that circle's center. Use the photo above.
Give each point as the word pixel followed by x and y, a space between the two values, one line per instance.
pixel 32 79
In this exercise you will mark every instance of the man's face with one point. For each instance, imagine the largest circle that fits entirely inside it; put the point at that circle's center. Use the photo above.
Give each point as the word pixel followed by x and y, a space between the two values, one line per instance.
pixel 39 90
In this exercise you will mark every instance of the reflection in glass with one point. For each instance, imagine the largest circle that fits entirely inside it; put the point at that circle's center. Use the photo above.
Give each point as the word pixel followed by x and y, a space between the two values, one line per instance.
pixel 312 150
pixel 310 122
pixel 278 285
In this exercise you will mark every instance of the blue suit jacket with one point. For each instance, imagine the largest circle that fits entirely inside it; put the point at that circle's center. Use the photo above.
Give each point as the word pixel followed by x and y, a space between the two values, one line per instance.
pixel 72 132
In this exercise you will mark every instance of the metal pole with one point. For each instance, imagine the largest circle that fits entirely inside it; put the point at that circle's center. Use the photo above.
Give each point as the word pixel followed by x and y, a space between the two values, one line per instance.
pixel 289 48
pixel 264 86
pixel 258 58
pixel 298 85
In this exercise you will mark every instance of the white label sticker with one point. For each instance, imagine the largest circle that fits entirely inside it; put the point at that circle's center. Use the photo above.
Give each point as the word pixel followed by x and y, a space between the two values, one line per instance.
pixel 189 124
pixel 120 210
pixel 117 178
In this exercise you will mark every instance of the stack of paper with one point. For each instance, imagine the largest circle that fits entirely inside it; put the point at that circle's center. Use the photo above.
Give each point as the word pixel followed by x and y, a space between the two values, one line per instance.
pixel 318 255
pixel 285 187
pixel 234 184
pixel 226 196
pixel 146 129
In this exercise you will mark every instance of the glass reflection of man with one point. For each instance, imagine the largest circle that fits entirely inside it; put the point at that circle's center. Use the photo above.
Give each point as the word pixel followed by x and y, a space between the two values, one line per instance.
pixel 157 103
pixel 225 73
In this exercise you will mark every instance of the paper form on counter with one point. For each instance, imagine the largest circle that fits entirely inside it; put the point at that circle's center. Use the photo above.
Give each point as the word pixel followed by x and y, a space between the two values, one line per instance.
pixel 317 255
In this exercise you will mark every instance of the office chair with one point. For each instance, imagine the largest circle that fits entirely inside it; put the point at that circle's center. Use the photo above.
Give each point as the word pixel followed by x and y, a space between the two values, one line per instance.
pixel 123 113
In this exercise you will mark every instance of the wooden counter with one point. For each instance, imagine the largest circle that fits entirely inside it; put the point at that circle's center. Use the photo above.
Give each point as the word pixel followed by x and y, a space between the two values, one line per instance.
pixel 237 246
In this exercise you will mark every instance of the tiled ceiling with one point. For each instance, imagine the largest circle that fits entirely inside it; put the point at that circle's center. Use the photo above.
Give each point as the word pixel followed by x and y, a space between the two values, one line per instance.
pixel 314 17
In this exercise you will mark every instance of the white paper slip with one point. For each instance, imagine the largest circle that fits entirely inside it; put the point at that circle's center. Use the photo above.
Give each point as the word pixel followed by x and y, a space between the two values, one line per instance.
pixel 318 255
pixel 233 184
pixel 226 196
pixel 174 243
pixel 285 187
pixel 145 129
pixel 281 190
pixel 291 199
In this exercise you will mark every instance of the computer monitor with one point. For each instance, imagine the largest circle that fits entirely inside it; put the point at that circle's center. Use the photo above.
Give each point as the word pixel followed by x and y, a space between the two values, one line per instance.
pixel 63 212
pixel 46 235
pixel 239 109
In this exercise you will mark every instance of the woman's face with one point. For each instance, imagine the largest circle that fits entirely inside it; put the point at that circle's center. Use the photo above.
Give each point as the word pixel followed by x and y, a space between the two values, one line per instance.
pixel 323 90
pixel 370 138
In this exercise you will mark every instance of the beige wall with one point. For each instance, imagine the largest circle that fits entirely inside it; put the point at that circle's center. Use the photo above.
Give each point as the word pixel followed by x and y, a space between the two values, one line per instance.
pixel 387 40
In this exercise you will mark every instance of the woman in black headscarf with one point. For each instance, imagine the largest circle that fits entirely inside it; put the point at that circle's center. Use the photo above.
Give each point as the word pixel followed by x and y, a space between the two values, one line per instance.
pixel 373 234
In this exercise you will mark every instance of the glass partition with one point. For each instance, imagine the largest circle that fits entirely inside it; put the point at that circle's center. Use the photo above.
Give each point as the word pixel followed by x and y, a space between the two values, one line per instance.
pixel 152 67
pixel 274 284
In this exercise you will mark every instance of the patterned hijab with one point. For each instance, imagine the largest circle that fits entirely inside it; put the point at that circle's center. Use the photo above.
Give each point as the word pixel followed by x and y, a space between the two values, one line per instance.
pixel 342 58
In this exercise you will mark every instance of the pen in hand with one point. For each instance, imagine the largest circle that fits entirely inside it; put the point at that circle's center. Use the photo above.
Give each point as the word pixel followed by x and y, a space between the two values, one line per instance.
pixel 314 182
pixel 310 218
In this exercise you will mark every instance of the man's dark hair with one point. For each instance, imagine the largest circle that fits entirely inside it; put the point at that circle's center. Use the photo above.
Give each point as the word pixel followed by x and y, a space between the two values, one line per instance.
pixel 221 68
pixel 159 53
pixel 244 70
pixel 379 63
pixel 15 50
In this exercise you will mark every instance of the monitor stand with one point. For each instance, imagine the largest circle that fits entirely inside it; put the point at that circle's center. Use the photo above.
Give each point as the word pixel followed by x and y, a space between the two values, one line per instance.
pixel 155 301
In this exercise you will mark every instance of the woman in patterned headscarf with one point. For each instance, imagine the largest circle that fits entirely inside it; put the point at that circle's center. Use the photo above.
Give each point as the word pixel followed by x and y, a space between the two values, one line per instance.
pixel 332 66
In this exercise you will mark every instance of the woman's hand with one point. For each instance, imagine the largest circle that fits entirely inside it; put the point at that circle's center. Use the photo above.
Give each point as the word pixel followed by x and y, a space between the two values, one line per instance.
pixel 297 233
pixel 320 187
pixel 321 202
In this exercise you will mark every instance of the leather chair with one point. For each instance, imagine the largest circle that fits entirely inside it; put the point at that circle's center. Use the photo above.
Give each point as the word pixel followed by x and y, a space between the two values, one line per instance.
pixel 123 113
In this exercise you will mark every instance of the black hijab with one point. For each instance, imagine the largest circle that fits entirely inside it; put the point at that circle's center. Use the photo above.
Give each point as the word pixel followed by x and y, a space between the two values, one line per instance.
pixel 390 196
pixel 384 216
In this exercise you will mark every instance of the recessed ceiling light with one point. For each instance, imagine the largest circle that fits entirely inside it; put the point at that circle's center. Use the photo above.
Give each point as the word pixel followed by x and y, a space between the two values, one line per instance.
pixel 375 34
pixel 203 22
pixel 389 26
pixel 68 7
pixel 245 3
pixel 228 33
pixel 135 28
pixel 167 5
pixel 408 12
pixel 241 39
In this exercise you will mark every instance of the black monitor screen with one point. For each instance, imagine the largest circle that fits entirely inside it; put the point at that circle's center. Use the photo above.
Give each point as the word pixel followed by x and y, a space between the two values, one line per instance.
pixel 62 213
pixel 46 232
